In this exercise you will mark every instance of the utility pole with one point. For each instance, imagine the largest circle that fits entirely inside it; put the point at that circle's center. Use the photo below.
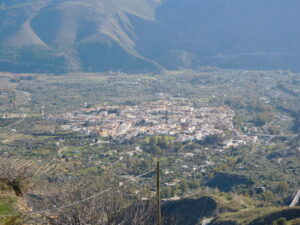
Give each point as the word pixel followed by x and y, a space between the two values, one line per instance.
pixel 158 194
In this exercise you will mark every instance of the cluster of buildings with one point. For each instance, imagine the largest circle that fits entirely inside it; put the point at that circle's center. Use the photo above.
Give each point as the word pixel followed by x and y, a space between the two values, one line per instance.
pixel 175 117
pixel 13 115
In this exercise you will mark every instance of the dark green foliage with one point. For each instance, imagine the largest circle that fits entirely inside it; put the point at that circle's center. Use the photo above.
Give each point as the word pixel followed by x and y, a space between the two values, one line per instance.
pixel 277 217
pixel 280 221
pixel 32 59
pixel 282 187
pixel 296 126
pixel 213 139
pixel 188 211
pixel 161 144
pixel 225 182
pixel 268 196
pixel 227 222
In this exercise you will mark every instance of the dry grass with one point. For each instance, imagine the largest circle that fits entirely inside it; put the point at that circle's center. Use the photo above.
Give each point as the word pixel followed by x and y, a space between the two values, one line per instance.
pixel 6 138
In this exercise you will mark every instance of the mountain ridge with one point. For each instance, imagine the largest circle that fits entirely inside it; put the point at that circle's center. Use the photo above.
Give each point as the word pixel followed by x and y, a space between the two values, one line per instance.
pixel 148 35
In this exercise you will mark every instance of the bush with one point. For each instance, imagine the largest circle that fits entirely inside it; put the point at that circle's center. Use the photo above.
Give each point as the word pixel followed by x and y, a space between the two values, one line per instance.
pixel 13 177
pixel 280 221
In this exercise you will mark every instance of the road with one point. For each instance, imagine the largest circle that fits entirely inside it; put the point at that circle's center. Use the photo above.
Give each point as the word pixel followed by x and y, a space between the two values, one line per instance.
pixel 273 136
pixel 207 221
pixel 59 153
pixel 296 199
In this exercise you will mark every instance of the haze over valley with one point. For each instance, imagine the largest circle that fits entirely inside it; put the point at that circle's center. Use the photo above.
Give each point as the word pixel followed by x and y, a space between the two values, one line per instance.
pixel 149 112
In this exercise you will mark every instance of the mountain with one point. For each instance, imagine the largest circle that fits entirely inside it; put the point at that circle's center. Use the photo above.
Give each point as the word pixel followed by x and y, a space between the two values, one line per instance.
pixel 58 36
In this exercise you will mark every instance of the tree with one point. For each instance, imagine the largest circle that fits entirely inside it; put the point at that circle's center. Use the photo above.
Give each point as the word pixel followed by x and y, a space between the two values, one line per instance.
pixel 109 208
pixel 274 130
pixel 280 221
pixel 139 213
pixel 282 187
pixel 157 150
pixel 212 139
pixel 183 185
pixel 174 191
pixel 268 196
pixel 194 183
pixel 261 118
pixel 14 176
pixel 99 210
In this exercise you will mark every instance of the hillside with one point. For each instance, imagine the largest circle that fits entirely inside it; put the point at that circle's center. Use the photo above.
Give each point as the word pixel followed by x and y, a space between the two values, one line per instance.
pixel 149 35
pixel 62 36
pixel 267 216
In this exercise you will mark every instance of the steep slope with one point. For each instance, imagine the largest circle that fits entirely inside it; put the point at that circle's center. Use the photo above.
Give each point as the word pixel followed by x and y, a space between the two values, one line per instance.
pixel 261 216
pixel 147 35
pixel 81 35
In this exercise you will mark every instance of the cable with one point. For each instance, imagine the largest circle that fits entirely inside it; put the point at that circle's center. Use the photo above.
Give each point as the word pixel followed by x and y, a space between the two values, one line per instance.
pixel 80 201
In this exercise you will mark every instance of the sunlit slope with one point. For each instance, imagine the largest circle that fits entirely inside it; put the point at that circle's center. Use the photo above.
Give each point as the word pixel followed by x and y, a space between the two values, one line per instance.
pixel 148 35
pixel 68 29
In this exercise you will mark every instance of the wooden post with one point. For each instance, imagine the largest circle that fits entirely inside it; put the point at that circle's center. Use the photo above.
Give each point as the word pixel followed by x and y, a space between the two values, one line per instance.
pixel 158 194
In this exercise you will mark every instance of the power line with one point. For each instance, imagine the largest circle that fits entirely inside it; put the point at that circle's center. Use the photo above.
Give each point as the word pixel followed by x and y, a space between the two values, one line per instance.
pixel 83 200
